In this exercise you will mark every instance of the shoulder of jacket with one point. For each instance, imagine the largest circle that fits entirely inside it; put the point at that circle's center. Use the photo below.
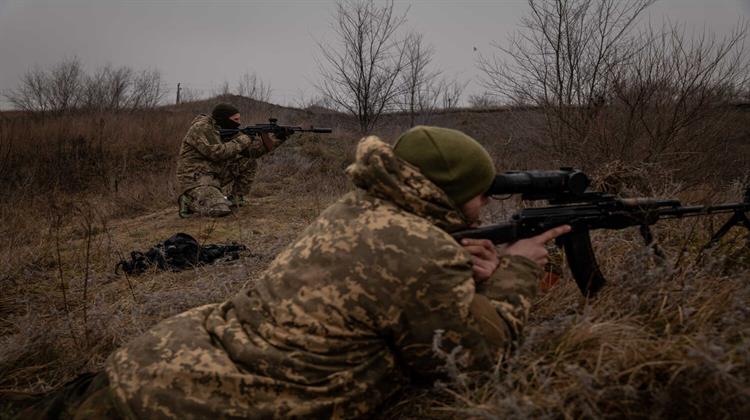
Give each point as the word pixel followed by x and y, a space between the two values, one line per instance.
pixel 203 124
pixel 396 225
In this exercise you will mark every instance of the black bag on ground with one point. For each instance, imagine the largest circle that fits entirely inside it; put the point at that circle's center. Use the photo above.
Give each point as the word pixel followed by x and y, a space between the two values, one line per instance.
pixel 179 252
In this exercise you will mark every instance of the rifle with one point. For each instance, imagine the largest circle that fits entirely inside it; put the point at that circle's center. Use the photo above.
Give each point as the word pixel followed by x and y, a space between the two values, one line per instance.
pixel 279 131
pixel 571 203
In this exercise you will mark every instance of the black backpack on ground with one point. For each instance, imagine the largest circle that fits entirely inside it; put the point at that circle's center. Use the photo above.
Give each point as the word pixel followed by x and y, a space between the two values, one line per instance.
pixel 179 252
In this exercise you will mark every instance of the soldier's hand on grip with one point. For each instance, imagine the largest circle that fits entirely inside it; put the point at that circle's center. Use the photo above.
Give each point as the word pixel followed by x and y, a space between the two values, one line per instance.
pixel 483 256
pixel 244 140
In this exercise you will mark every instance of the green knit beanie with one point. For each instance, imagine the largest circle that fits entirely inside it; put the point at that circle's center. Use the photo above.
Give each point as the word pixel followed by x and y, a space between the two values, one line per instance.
pixel 453 161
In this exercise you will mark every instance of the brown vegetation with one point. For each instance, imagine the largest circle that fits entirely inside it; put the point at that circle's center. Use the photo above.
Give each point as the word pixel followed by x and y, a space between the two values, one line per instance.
pixel 667 337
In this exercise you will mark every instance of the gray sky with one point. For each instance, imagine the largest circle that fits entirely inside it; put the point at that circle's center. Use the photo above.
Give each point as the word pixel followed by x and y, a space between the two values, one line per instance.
pixel 204 43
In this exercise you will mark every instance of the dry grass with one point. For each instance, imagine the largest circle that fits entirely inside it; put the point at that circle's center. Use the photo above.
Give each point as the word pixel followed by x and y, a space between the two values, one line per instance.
pixel 665 338
pixel 674 347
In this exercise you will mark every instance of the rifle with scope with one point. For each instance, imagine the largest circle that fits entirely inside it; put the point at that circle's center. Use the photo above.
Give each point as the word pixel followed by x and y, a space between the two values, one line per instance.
pixel 279 131
pixel 572 203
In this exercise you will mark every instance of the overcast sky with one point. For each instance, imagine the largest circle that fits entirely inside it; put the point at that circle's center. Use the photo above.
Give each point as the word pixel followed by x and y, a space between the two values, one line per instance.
pixel 204 43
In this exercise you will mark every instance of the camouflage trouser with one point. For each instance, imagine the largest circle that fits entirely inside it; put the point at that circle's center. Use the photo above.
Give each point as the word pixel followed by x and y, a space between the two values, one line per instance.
pixel 86 397
pixel 237 176
pixel 209 199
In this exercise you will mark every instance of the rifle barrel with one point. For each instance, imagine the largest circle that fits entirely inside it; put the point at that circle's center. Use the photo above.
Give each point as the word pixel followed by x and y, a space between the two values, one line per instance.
pixel 678 212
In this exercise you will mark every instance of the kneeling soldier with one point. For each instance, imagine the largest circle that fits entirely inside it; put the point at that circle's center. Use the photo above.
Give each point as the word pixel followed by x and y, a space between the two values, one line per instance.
pixel 208 163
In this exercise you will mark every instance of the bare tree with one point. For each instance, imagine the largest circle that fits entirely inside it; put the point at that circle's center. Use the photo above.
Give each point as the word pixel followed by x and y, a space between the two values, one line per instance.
pixel 146 90
pixel 253 87
pixel 117 84
pixel 95 95
pixel 361 74
pixel 672 101
pixel 33 92
pixel 66 87
pixel 418 81
pixel 108 89
pixel 451 91
pixel 222 90
pixel 562 60
pixel 121 88
pixel 302 101
pixel 564 51
pixel 483 100
pixel 56 90
pixel 65 83
pixel 191 94
pixel 607 93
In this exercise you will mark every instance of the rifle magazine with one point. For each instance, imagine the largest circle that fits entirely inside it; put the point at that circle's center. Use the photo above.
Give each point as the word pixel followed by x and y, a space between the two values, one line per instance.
pixel 582 261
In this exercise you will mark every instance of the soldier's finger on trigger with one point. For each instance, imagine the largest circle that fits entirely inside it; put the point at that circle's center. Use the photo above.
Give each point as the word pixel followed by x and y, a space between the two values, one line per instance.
pixel 553 233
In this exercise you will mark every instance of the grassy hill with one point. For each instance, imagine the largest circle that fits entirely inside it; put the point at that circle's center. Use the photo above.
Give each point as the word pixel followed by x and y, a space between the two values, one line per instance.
pixel 666 338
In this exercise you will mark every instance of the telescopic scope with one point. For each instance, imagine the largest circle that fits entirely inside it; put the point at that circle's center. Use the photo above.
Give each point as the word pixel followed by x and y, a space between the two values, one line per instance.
pixel 540 185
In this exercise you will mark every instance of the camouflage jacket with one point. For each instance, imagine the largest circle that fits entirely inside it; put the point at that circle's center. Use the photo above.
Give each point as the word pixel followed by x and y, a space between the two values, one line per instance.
pixel 372 294
pixel 203 152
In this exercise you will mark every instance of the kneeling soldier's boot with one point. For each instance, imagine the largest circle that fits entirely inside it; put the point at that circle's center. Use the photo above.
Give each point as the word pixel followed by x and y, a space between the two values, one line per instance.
pixel 206 201
pixel 218 210
pixel 238 200
pixel 184 201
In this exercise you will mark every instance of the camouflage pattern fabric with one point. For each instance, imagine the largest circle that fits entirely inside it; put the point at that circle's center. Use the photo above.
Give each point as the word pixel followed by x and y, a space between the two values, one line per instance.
pixel 207 200
pixel 341 319
pixel 208 162
pixel 85 397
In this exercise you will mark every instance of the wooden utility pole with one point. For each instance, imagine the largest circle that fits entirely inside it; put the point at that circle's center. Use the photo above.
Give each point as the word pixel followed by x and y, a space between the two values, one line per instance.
pixel 178 94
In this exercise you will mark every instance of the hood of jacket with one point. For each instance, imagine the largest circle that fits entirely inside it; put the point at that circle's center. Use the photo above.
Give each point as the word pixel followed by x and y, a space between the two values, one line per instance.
pixel 379 172
pixel 205 120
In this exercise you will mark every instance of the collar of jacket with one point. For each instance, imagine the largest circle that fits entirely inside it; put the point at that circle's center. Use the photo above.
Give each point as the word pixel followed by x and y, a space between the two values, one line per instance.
pixel 379 172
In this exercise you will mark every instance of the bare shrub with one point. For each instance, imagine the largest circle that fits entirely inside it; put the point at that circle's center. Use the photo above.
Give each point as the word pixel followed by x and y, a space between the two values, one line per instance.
pixel 361 75
pixel 564 52
pixel 673 103
pixel 656 99
pixel 56 90
pixel 188 94
pixel 222 90
pixel 451 92
pixel 65 82
pixel 66 87
pixel 146 90
pixel 483 100
pixel 253 87
pixel 33 93
pixel 420 84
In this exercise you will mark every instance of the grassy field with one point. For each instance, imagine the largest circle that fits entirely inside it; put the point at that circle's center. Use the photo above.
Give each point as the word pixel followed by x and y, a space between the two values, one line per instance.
pixel 668 337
